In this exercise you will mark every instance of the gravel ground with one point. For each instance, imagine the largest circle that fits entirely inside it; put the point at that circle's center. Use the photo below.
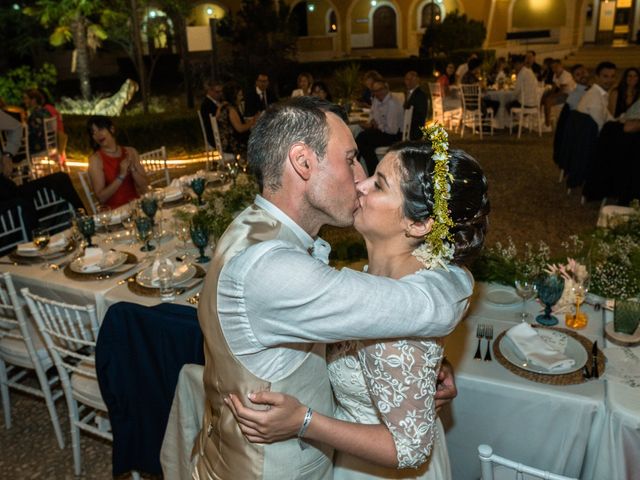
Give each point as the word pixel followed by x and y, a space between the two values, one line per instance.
pixel 528 204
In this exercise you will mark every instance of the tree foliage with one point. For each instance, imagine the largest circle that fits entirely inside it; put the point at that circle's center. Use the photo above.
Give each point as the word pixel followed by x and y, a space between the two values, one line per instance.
pixel 456 32
pixel 14 82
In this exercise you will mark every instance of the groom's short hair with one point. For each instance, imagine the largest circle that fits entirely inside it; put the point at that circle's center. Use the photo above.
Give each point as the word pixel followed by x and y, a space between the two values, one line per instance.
pixel 301 119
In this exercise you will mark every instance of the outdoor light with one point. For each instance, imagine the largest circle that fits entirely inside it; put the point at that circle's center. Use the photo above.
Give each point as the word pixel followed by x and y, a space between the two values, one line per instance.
pixel 152 14
pixel 209 11
pixel 437 18
pixel 311 7
pixel 374 3
pixel 16 6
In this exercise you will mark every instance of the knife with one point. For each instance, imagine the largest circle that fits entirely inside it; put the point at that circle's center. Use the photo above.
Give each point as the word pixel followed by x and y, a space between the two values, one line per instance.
pixel 594 358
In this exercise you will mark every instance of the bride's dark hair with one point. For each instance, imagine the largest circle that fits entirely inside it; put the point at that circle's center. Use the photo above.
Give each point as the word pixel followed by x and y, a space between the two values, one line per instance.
pixel 468 205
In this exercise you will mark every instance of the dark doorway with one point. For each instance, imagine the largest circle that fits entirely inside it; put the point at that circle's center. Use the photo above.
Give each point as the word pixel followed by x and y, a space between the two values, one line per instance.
pixel 298 19
pixel 384 28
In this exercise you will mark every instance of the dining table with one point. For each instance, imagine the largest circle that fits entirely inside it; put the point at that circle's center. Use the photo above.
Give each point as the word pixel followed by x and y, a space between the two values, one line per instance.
pixel 503 96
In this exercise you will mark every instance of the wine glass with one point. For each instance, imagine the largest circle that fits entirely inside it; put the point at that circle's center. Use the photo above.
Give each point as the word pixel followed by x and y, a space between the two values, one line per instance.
pixel 144 227
pixel 579 319
pixel 200 238
pixel 197 185
pixel 149 206
pixel 550 290
pixel 183 232
pixel 104 219
pixel 526 289
pixel 129 223
pixel 87 226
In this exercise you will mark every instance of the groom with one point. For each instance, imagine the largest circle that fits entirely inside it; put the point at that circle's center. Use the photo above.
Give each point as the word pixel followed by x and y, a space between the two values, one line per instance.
pixel 269 294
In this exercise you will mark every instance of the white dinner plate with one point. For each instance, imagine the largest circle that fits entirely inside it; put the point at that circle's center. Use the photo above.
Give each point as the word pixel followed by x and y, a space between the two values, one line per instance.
pixel 573 350
pixel 110 261
pixel 46 252
pixel 144 277
pixel 502 296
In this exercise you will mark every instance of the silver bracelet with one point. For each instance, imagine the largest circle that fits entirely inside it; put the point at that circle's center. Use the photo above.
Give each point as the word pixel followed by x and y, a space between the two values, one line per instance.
pixel 305 423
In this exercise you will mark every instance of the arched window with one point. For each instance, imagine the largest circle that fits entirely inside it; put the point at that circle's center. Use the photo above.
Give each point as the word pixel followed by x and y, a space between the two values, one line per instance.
pixel 333 22
pixel 298 19
pixel 431 15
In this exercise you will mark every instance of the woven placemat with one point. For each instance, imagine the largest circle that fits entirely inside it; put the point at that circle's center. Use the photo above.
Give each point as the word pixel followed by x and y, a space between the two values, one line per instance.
pixel 566 379
pixel 129 263
pixel 22 260
pixel 143 291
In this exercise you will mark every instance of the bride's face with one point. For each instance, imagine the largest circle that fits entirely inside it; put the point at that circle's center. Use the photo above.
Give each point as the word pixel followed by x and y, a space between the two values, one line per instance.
pixel 380 198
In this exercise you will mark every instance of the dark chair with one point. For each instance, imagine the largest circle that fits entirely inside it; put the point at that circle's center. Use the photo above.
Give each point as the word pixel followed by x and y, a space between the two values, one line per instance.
pixel 558 137
pixel 578 147
pixel 610 168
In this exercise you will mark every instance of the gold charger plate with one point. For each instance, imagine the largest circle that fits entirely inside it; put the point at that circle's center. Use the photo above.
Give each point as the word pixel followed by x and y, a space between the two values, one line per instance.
pixel 143 291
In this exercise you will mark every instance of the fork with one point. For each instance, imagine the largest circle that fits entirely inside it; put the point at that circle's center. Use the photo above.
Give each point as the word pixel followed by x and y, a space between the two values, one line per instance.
pixel 488 334
pixel 479 335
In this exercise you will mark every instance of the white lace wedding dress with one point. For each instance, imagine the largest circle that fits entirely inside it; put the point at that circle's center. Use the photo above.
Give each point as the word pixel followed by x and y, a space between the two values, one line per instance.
pixel 399 378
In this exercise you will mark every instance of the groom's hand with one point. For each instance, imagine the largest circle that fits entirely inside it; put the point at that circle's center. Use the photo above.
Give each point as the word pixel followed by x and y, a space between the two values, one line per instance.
pixel 446 387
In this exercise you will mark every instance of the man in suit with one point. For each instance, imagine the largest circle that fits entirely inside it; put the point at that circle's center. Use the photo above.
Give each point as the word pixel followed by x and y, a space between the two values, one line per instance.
pixel 416 98
pixel 259 98
pixel 209 106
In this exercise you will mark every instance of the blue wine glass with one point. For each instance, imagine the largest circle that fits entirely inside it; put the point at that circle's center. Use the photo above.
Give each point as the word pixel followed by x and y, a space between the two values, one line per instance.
pixel 149 206
pixel 144 226
pixel 87 227
pixel 550 290
pixel 197 185
pixel 200 238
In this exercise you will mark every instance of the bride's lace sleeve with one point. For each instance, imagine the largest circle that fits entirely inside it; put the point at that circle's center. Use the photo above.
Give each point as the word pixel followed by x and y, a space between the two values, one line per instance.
pixel 402 375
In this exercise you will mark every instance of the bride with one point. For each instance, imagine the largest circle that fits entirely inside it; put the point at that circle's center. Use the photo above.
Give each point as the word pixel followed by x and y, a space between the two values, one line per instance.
pixel 424 208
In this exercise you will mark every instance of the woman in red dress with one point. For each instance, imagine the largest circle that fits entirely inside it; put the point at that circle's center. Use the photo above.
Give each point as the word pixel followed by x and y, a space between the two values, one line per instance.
pixel 116 174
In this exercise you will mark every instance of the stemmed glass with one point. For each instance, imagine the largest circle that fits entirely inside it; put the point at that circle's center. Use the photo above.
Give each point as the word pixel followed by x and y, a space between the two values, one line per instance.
pixel 197 185
pixel 549 289
pixel 41 239
pixel 183 232
pixel 579 319
pixel 144 227
pixel 200 238
pixel 233 169
pixel 526 289
pixel 87 226
pixel 149 206
pixel 104 218
pixel 129 223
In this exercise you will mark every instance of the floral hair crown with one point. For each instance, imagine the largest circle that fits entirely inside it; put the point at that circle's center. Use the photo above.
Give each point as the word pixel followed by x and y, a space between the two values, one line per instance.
pixel 438 248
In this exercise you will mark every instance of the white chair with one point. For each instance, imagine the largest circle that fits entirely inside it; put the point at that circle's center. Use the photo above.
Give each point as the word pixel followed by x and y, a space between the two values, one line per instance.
pixel 154 162
pixel 472 110
pixel 42 162
pixel 528 114
pixel 12 229
pixel 440 115
pixel 517 471
pixel 54 213
pixel 70 333
pixel 209 150
pixel 21 170
pixel 22 351
pixel 88 192
pixel 406 130
pixel 227 157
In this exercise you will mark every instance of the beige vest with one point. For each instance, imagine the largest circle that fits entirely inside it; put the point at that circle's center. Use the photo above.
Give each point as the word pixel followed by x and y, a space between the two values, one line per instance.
pixel 222 451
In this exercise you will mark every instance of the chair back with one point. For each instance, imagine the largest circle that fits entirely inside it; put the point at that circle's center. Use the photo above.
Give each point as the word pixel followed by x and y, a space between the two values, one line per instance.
pixel 437 103
pixel 43 162
pixel 21 170
pixel 488 460
pixel 13 320
pixel 208 149
pixel 54 213
pixel 224 156
pixel 155 161
pixel 12 229
pixel 406 123
pixel 88 191
pixel 471 97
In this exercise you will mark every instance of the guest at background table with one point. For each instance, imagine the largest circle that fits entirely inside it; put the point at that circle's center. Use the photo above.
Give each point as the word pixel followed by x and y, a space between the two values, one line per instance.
pixel 320 90
pixel 526 87
pixel 546 74
pixel 209 106
pixel 115 171
pixel 463 68
pixel 563 85
pixel 234 130
pixel 450 99
pixel 416 98
pixel 384 127
pixel 366 99
pixel 305 81
pixel 13 131
pixel 530 61
pixel 595 101
pixel 499 72
pixel 626 93
pixel 257 99
pixel 580 76
pixel 34 103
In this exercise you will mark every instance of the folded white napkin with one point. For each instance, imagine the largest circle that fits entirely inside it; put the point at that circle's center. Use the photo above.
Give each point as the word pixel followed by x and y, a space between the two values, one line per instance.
pixel 57 241
pixel 173 191
pixel 92 259
pixel 536 350
pixel 177 271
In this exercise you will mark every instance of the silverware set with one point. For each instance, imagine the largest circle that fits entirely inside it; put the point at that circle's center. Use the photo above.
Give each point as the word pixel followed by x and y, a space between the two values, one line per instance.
pixel 486 332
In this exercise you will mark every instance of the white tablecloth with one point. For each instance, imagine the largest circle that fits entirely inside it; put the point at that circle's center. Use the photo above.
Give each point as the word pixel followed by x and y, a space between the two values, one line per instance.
pixel 501 117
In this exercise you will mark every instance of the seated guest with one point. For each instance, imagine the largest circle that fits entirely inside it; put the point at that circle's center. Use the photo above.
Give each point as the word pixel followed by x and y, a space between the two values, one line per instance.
pixel 563 85
pixel 546 74
pixel 530 62
pixel 526 87
pixel 451 99
pixel 631 118
pixel 12 130
pixel 580 75
pixel 34 103
pixel 305 80
pixel 499 72
pixel 595 101
pixel 257 99
pixel 416 98
pixel 209 106
pixel 234 130
pixel 463 68
pixel 115 172
pixel 384 127
pixel 626 93
pixel 319 89
pixel 367 95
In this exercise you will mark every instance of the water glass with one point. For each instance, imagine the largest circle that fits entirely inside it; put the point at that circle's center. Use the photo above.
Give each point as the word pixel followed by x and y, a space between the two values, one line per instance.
pixel 87 226
pixel 526 289
pixel 144 228
pixel 165 280
pixel 129 223
pixel 104 219
pixel 149 206
pixel 197 185
pixel 200 238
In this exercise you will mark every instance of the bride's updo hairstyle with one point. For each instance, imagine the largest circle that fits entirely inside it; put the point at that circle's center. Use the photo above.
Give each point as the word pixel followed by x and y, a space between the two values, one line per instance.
pixel 468 202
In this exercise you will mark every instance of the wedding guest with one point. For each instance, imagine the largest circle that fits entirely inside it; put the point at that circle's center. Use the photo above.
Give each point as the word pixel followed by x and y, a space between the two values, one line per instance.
pixel 546 73
pixel 526 87
pixel 451 99
pixel 209 107
pixel 13 131
pixel 580 75
pixel 595 101
pixel 626 93
pixel 367 79
pixel 305 81
pixel 257 99
pixel 416 98
pixel 563 85
pixel 34 103
pixel 234 130
pixel 463 68
pixel 499 72
pixel 530 62
pixel 320 90
pixel 115 171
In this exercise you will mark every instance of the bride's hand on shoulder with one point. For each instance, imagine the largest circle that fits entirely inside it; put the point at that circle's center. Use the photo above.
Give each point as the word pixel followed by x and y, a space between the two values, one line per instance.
pixel 281 421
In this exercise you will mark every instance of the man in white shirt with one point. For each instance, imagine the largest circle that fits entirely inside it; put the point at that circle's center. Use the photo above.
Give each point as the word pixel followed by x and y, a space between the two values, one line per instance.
pixel 266 299
pixel 463 68
pixel 563 85
pixel 526 88
pixel 580 75
pixel 595 101
pixel 384 127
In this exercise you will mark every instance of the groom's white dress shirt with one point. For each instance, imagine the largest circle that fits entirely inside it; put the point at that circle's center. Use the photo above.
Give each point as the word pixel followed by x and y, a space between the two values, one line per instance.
pixel 274 295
